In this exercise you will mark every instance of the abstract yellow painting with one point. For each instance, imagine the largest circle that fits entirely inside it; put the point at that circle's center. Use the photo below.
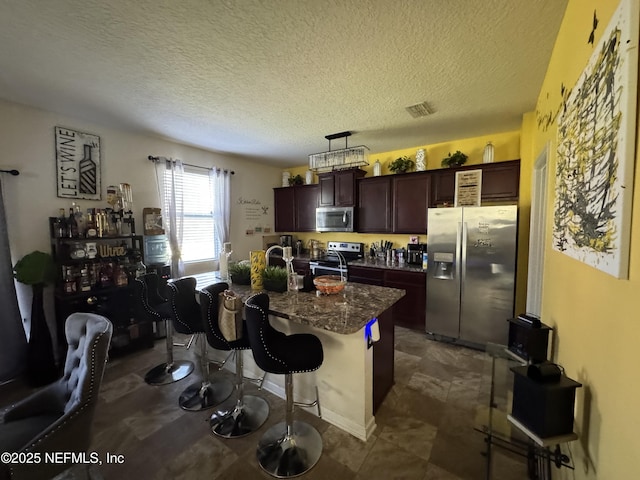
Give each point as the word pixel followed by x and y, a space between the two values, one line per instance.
pixel 596 151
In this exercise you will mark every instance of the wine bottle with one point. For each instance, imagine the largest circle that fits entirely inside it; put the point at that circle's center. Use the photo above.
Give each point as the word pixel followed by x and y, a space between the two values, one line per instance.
pixel 72 224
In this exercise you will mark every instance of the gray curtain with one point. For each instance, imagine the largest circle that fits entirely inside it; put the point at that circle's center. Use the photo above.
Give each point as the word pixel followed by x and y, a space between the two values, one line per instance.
pixel 13 342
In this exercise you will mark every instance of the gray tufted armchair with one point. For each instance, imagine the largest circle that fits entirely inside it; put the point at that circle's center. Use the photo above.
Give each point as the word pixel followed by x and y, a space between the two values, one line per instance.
pixel 58 417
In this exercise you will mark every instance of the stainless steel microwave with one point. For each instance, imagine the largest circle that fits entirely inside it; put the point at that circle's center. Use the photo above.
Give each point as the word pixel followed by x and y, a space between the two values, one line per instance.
pixel 334 219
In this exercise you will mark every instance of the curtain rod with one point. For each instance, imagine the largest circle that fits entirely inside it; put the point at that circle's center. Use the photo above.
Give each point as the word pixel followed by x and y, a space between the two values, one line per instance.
pixel 12 172
pixel 157 159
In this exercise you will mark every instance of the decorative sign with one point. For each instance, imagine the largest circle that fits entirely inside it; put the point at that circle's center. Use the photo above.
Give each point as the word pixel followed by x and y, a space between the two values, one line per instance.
pixel 468 188
pixel 77 164
pixel 255 215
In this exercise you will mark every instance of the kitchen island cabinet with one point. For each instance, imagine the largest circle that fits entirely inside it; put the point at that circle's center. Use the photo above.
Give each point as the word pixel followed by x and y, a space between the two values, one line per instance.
pixel 353 379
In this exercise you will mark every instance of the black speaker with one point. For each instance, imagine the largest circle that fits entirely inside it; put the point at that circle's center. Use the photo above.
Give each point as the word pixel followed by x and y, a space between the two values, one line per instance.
pixel 545 408
pixel 528 340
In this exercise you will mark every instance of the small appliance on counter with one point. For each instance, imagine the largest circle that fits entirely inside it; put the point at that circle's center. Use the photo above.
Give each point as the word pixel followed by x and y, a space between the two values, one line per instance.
pixel 286 241
pixel 414 253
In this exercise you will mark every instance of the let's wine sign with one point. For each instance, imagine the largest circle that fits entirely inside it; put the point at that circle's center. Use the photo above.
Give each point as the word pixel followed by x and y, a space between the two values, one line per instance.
pixel 77 164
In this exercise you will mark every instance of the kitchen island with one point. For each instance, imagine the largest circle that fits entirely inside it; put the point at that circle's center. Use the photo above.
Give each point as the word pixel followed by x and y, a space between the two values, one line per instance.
pixel 353 379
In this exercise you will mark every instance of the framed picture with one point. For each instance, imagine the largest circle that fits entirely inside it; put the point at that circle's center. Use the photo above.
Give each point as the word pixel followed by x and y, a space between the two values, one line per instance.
pixel 77 164
pixel 468 188
pixel 596 152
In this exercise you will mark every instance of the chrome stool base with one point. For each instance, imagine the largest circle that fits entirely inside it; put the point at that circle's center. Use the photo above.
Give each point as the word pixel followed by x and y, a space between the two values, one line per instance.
pixel 240 420
pixel 166 373
pixel 285 455
pixel 199 397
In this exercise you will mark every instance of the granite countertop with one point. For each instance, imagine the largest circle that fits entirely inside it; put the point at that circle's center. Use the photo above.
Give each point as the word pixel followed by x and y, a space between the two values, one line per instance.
pixel 344 313
pixel 379 263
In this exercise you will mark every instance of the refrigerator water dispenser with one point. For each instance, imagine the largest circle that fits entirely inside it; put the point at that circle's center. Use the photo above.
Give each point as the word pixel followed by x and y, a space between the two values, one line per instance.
pixel 443 263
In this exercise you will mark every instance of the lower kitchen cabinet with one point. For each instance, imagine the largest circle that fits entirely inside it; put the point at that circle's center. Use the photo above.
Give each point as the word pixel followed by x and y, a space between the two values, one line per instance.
pixel 409 311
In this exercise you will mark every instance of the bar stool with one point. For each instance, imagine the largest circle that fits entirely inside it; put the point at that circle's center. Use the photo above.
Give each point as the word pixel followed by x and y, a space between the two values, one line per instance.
pixel 292 447
pixel 150 305
pixel 185 313
pixel 249 412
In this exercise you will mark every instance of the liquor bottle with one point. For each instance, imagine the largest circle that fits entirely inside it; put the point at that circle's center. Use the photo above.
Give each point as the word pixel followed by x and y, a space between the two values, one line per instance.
pixel 72 224
pixel 85 279
pixel 61 224
pixel 106 275
pixel 120 277
pixel 91 231
pixel 80 220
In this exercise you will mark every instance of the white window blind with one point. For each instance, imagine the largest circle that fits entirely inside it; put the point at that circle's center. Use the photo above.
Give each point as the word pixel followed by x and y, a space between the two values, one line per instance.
pixel 200 241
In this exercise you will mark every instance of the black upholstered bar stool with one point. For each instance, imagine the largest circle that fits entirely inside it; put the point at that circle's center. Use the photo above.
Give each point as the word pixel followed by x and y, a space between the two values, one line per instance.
pixel 292 447
pixel 250 411
pixel 185 313
pixel 150 305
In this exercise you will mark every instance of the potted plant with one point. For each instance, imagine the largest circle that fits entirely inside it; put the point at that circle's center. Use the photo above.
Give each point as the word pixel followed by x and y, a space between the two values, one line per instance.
pixel 240 273
pixel 297 180
pixel 401 165
pixel 38 270
pixel 274 279
pixel 454 159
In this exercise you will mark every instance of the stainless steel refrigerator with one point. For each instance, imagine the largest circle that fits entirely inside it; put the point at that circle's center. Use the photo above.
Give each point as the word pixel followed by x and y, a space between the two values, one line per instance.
pixel 471 273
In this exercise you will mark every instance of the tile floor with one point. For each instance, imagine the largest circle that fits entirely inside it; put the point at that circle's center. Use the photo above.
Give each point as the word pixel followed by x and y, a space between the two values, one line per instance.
pixel 425 426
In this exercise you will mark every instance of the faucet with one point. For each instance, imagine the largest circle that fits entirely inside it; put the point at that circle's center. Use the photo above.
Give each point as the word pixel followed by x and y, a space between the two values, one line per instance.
pixel 270 249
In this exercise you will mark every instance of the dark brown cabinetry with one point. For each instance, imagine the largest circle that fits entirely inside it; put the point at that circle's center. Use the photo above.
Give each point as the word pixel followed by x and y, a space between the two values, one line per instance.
pixel 374 201
pixel 409 311
pixel 500 182
pixel 306 201
pixel 95 275
pixel 284 210
pixel 295 208
pixel 411 196
pixel 339 188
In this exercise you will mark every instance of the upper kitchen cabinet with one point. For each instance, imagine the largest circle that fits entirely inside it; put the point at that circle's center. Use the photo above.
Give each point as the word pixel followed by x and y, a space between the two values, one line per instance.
pixel 500 182
pixel 295 208
pixel 306 201
pixel 283 201
pixel 374 205
pixel 411 195
pixel 339 188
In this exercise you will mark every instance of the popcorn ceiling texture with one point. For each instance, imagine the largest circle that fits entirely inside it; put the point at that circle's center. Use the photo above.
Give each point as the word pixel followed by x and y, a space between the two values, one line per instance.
pixel 271 78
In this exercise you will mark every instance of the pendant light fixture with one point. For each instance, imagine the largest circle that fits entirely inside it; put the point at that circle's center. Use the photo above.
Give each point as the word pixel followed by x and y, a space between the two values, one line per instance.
pixel 347 157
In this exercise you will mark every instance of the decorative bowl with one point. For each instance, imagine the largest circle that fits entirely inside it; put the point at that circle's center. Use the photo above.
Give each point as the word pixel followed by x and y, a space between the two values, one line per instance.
pixel 329 284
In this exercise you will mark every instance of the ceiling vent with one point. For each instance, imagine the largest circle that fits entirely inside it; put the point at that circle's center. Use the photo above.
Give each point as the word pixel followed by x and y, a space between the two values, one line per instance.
pixel 420 110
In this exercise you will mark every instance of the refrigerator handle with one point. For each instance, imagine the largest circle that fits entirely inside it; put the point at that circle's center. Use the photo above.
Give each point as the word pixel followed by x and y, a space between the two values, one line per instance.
pixel 463 249
pixel 458 251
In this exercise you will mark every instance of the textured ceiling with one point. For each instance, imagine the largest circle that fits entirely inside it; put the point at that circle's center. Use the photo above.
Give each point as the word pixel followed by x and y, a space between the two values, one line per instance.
pixel 271 78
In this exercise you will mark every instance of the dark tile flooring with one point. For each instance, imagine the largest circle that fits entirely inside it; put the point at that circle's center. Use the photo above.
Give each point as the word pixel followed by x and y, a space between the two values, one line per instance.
pixel 425 427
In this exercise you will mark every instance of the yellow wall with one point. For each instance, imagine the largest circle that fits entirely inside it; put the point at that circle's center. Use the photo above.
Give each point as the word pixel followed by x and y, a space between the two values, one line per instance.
pixel 507 147
pixel 595 316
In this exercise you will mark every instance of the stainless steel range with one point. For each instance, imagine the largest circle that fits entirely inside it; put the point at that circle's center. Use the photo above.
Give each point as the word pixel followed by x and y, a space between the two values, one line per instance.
pixel 331 264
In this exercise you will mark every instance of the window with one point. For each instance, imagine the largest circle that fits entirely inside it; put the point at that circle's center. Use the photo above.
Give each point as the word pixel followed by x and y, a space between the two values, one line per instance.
pixel 200 240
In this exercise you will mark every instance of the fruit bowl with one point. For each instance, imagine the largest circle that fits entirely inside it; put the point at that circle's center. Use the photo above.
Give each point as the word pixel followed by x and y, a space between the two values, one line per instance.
pixel 329 284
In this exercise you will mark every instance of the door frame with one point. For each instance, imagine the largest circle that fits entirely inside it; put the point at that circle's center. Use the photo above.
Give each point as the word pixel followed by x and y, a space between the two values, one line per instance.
pixel 537 231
